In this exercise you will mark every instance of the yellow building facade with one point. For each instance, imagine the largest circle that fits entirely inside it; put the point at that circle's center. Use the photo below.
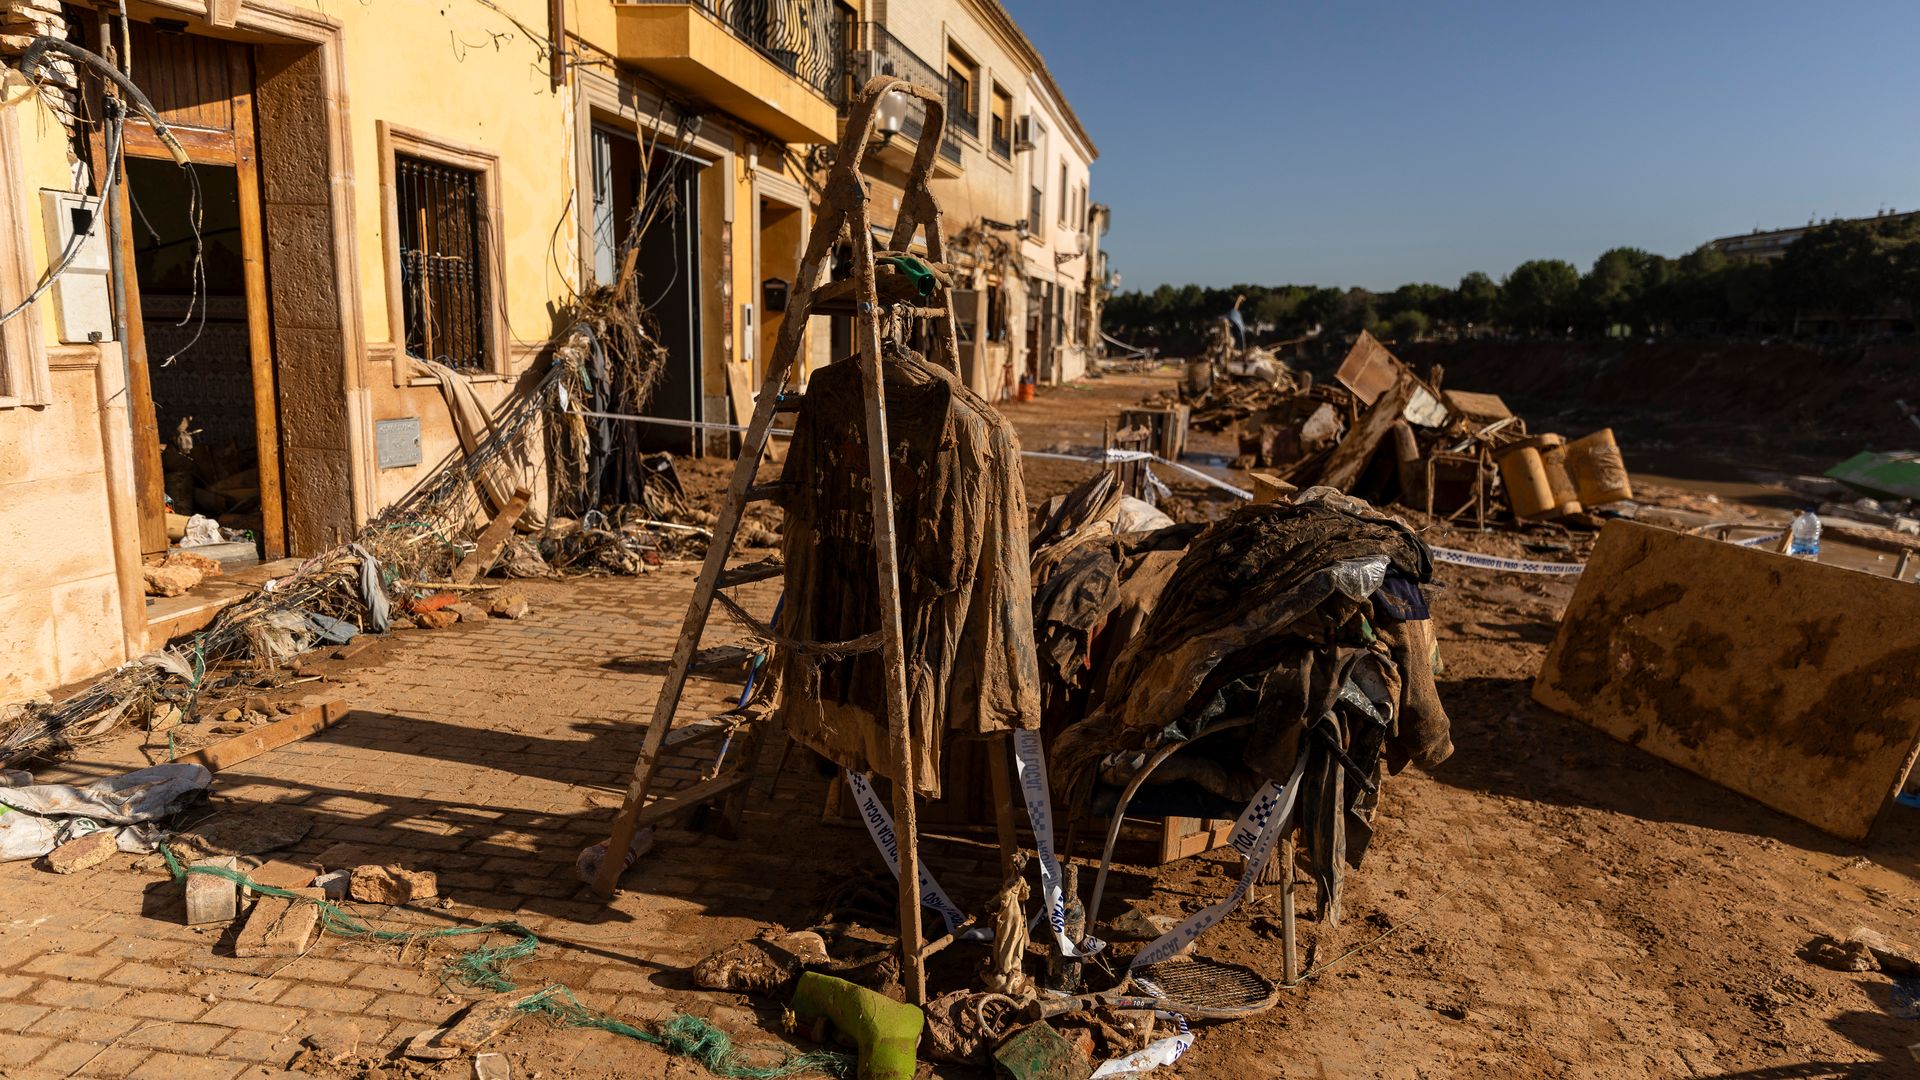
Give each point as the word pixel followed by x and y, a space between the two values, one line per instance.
pixel 376 183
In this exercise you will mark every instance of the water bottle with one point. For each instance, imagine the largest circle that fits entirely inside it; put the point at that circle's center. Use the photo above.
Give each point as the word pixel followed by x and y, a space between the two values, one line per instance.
pixel 1806 535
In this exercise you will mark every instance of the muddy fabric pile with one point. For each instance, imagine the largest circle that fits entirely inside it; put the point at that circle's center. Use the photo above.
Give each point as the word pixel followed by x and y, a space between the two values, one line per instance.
pixel 960 520
pixel 1086 567
pixel 1288 629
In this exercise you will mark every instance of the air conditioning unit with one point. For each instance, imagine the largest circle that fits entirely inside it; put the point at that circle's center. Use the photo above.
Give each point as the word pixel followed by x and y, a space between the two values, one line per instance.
pixel 1023 128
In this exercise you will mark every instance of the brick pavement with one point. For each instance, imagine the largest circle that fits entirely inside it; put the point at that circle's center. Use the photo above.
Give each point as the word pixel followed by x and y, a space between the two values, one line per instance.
pixel 491 754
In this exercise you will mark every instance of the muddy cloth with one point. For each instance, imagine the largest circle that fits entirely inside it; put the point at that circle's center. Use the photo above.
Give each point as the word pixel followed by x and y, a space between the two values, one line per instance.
pixel 966 601
pixel 1279 629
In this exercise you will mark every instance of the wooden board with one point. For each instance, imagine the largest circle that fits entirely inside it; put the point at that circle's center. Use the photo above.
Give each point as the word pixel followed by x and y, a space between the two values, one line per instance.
pixel 1349 459
pixel 262 739
pixel 1792 682
pixel 492 539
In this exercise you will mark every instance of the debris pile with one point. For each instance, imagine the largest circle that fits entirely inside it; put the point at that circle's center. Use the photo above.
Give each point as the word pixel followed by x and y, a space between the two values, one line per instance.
pixel 1388 435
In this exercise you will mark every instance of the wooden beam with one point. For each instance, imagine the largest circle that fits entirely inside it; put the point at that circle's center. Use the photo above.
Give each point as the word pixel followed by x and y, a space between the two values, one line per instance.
pixel 492 539
pixel 1349 459
pixel 271 737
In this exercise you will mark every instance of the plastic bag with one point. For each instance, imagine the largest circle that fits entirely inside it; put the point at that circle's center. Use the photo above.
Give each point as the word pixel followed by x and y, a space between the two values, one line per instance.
pixel 201 531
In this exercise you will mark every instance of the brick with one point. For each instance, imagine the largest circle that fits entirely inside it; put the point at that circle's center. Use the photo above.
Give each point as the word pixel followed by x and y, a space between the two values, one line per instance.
pixel 21 1049
pixel 252 1016
pixel 67 1058
pixel 81 1025
pixel 85 853
pixel 181 1067
pixel 408 1007
pixel 340 999
pixel 144 977
pixel 182 1038
pixel 68 966
pixel 263 1046
pixel 278 874
pixel 77 995
pixel 159 1005
pixel 115 1061
pixel 211 898
pixel 279 926
pixel 15 986
pixel 15 1016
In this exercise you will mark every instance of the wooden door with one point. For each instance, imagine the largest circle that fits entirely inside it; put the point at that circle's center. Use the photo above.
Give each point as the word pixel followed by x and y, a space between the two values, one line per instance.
pixel 203 88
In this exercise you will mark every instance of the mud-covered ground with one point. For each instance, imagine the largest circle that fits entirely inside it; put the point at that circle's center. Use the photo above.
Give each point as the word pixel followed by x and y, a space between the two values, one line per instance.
pixel 1549 901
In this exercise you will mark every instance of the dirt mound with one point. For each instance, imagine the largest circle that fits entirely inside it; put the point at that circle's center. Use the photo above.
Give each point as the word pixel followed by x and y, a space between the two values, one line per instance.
pixel 1824 402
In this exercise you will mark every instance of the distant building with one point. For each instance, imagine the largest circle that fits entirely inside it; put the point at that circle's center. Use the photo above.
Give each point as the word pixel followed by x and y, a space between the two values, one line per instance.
pixel 1773 243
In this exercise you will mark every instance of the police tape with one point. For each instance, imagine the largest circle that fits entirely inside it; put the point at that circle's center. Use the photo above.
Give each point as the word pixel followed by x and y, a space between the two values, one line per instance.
pixel 1254 836
pixel 1498 562
pixel 1030 767
pixel 1530 566
pixel 880 827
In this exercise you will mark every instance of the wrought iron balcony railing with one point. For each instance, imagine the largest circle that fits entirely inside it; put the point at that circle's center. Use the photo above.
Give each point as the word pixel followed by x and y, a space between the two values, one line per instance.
pixel 805 38
pixel 876 51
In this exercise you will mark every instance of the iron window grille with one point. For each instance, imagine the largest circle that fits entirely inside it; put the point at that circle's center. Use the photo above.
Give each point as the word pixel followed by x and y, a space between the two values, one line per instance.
pixel 443 271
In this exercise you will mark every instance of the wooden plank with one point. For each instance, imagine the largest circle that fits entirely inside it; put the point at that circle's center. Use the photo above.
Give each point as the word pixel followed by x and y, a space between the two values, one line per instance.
pixel 492 539
pixel 1349 459
pixel 149 475
pixel 1369 370
pixel 266 414
pixel 272 736
pixel 1780 678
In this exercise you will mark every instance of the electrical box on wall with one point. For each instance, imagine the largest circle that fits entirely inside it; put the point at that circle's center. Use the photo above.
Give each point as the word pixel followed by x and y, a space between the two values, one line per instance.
pixel 396 443
pixel 747 333
pixel 82 303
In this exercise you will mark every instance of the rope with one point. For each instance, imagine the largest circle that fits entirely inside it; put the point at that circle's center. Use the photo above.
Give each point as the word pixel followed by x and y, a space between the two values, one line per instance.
pixel 486 968
pixel 688 1037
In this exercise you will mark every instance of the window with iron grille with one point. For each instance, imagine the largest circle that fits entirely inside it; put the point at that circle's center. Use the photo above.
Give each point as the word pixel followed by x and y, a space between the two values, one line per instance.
pixel 443 272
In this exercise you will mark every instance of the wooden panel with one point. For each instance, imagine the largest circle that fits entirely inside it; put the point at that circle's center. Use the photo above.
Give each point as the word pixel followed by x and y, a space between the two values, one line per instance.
pixel 1783 679
pixel 266 419
pixel 190 79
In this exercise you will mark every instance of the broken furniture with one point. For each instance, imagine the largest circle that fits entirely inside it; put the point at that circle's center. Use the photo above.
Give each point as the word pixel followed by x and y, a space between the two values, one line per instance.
pixel 1784 679
pixel 1166 428
pixel 869 295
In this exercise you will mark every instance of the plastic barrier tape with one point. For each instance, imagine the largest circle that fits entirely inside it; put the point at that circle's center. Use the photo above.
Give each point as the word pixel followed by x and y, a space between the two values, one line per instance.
pixel 880 826
pixel 1030 765
pixel 1260 827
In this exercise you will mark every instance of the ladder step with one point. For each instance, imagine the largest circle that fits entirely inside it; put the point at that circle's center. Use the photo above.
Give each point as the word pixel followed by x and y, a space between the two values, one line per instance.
pixel 688 799
pixel 721 656
pixel 704 728
pixel 751 572
pixel 847 307
pixel 786 403
pixel 765 492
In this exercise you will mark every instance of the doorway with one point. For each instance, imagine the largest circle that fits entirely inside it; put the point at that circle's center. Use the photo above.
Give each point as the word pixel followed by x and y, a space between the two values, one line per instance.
pixel 194 317
pixel 780 242
pixel 199 338
pixel 666 268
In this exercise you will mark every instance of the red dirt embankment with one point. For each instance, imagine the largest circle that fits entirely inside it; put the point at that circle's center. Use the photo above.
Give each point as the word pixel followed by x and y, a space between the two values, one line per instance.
pixel 1788 399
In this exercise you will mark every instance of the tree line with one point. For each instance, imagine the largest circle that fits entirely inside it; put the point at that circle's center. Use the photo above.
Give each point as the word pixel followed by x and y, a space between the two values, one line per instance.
pixel 1840 278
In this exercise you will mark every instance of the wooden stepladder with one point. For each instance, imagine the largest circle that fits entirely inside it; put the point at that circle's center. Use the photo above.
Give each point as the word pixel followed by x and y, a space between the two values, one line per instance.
pixel 868 295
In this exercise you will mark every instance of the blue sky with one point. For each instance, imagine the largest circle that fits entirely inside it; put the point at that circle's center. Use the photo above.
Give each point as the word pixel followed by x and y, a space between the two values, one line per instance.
pixel 1363 142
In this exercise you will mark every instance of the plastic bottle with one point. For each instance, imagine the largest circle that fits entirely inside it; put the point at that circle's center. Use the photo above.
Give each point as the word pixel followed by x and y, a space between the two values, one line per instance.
pixel 1806 535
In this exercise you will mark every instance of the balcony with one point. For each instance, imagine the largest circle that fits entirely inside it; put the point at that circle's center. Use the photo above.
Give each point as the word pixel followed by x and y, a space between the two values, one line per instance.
pixel 878 52
pixel 961 115
pixel 775 64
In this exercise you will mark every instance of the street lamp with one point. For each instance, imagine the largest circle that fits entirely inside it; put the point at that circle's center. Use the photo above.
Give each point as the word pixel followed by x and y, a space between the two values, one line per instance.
pixel 892 111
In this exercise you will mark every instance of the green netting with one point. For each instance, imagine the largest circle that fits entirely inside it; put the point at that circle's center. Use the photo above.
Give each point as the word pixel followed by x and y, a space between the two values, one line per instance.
pixel 688 1037
pixel 486 967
